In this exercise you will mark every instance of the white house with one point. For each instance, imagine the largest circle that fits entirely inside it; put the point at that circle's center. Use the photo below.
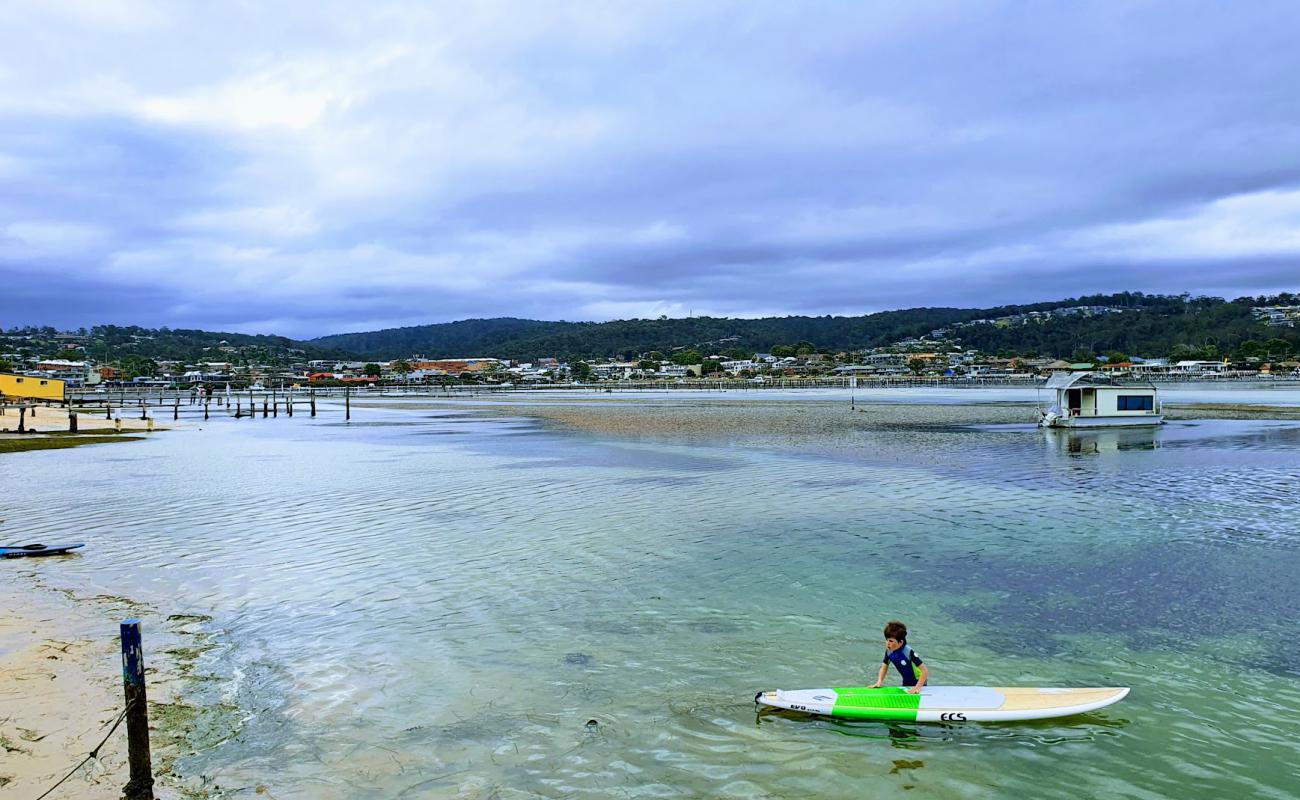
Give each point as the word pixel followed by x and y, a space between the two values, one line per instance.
pixel 1091 399
pixel 73 373
pixel 1200 367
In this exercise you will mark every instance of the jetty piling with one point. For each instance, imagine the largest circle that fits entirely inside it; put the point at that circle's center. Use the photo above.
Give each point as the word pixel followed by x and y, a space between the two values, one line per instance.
pixel 140 785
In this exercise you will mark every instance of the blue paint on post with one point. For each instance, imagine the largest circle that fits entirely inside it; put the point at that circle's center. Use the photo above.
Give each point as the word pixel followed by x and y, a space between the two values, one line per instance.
pixel 132 653
pixel 140 786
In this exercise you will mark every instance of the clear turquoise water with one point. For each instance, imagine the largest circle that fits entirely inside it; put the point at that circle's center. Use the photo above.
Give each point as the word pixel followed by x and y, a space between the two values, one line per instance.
pixel 435 605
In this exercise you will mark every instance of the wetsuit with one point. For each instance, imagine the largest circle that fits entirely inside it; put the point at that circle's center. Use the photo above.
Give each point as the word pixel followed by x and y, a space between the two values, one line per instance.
pixel 906 661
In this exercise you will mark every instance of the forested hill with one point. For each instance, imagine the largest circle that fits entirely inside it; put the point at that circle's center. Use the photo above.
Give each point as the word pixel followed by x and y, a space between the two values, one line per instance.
pixel 114 343
pixel 1149 325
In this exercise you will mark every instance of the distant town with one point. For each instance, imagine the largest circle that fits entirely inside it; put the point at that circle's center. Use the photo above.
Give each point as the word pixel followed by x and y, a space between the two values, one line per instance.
pixel 71 358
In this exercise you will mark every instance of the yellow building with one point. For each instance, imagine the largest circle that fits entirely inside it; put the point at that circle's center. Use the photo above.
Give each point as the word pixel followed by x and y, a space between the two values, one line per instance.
pixel 27 387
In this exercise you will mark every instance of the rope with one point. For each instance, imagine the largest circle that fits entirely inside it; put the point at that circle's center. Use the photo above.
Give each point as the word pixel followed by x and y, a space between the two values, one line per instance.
pixel 93 753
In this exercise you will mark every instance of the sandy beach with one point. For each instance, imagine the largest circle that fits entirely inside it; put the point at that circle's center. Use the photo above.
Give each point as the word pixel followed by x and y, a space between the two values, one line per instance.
pixel 54 419
pixel 62 691
pixel 62 688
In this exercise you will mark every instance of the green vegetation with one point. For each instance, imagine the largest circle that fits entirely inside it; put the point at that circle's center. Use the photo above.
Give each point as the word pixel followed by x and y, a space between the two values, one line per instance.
pixel 60 442
pixel 133 366
pixel 1147 325
pixel 109 344
pixel 1177 327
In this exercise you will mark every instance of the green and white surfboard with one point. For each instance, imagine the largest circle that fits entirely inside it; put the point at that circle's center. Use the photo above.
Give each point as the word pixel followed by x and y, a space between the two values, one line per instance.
pixel 943 703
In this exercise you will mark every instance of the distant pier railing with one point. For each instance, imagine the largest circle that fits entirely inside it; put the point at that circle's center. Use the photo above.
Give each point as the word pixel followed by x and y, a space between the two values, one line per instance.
pixel 288 399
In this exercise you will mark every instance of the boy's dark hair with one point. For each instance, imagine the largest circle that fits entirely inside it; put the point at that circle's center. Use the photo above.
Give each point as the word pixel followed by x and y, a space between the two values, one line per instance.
pixel 896 630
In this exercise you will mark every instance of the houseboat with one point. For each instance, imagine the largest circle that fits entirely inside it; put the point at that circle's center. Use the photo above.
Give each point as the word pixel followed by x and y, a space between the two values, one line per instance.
pixel 1094 400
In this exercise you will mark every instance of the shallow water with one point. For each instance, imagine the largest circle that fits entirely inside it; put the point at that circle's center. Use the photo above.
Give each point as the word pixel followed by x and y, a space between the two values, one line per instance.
pixel 431 604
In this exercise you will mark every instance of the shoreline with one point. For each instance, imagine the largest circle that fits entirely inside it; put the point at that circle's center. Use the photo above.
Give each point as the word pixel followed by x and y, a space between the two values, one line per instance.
pixel 827 422
pixel 61 653
pixel 49 430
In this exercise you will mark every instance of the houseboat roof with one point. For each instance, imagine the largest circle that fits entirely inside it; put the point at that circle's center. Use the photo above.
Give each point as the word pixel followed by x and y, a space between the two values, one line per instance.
pixel 1069 380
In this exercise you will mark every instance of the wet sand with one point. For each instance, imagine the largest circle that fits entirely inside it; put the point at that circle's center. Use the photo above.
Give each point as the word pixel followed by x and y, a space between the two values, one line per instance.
pixel 47 429
pixel 824 424
pixel 62 689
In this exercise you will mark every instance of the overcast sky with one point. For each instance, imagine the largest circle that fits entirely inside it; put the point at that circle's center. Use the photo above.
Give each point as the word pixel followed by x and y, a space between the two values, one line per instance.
pixel 313 168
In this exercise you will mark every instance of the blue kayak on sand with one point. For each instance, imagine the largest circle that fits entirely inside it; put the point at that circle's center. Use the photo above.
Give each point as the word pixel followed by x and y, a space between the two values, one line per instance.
pixel 18 551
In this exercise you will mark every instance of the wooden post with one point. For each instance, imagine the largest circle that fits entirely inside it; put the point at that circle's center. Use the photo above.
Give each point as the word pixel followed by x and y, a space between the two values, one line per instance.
pixel 72 420
pixel 22 419
pixel 205 408
pixel 263 406
pixel 238 408
pixel 313 402
pixel 347 402
pixel 144 410
pixel 176 409
pixel 108 410
pixel 140 786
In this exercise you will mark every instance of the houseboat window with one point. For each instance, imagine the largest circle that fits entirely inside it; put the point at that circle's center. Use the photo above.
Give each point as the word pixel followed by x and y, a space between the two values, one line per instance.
pixel 20 380
pixel 1136 402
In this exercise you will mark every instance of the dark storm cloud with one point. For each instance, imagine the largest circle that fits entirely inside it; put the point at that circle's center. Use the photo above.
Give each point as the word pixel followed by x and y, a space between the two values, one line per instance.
pixel 731 158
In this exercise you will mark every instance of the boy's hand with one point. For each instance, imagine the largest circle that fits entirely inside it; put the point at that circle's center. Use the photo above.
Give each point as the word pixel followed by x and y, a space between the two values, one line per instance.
pixel 914 690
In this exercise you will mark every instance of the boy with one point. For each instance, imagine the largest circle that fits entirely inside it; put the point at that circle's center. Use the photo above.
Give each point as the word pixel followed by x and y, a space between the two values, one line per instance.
pixel 903 657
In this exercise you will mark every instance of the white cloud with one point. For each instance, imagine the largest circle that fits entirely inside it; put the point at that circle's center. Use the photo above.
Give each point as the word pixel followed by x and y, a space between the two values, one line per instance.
pixel 1241 226
pixel 249 105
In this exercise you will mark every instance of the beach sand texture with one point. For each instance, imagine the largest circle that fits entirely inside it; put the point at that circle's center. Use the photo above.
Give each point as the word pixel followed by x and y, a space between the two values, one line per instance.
pixel 53 419
pixel 62 691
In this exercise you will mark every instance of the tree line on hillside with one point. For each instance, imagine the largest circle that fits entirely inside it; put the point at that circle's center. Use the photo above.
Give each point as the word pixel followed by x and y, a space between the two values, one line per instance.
pixel 1200 328
pixel 120 343
pixel 1149 325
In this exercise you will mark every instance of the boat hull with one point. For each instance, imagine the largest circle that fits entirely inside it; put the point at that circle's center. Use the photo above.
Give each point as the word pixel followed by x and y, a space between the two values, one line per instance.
pixel 1102 422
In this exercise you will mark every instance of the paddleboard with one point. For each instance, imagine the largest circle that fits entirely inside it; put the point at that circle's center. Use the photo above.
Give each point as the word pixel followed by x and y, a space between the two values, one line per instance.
pixel 942 703
pixel 18 551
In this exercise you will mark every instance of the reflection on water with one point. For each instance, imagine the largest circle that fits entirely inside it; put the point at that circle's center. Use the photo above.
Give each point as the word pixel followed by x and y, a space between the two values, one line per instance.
pixel 1112 440
pixel 441 607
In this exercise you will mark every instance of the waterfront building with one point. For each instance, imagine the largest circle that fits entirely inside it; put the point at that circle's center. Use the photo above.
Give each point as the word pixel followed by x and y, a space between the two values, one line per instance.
pixel 32 387
pixel 1091 399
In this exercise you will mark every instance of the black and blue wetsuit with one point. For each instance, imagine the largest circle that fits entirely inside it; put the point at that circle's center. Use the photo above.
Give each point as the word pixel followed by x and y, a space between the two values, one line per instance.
pixel 906 661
